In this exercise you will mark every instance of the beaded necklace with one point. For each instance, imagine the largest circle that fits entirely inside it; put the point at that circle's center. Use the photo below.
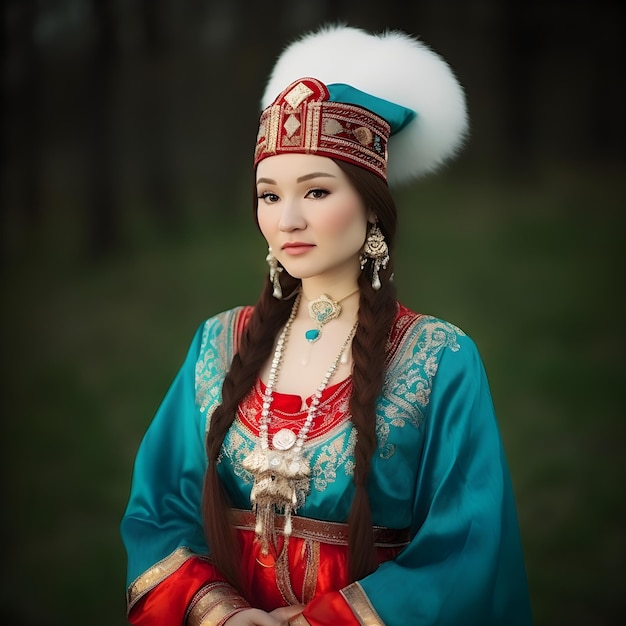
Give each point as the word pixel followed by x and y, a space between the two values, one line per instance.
pixel 281 473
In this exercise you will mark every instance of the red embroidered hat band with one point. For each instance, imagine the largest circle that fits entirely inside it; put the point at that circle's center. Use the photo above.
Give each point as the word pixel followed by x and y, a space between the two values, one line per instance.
pixel 302 119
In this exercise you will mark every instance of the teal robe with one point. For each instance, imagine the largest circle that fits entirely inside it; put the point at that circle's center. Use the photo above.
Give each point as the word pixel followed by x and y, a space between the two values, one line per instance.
pixel 440 470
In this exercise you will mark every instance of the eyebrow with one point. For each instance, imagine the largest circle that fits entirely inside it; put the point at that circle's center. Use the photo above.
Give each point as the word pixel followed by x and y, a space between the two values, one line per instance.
pixel 314 175
pixel 300 179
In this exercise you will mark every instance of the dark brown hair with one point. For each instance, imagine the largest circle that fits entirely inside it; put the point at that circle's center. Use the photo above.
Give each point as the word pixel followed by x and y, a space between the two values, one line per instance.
pixel 377 311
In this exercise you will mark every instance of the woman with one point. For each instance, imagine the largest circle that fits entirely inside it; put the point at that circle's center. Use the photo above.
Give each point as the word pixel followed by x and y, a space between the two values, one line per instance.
pixel 328 456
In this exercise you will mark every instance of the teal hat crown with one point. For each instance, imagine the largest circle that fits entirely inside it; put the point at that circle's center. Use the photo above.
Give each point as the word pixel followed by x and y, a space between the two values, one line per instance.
pixel 395 115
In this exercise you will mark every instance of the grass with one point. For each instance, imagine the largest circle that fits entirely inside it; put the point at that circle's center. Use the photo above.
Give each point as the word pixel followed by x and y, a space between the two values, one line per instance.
pixel 531 271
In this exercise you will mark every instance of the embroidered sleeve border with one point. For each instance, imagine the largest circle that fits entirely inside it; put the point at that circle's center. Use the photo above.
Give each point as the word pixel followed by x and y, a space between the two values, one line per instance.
pixel 360 604
pixel 214 604
pixel 156 574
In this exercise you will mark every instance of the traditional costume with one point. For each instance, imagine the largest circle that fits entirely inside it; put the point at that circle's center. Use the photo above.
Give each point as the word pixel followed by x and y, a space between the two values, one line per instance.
pixel 445 524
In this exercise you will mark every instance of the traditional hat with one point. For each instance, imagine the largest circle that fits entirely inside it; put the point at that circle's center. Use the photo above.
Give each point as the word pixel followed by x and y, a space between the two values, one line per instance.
pixel 385 102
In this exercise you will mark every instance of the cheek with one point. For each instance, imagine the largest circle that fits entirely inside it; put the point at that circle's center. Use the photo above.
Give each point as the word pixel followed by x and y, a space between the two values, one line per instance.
pixel 348 222
pixel 264 222
pixel 350 231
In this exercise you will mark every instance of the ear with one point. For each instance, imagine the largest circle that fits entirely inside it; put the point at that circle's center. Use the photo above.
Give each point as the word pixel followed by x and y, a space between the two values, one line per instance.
pixel 371 217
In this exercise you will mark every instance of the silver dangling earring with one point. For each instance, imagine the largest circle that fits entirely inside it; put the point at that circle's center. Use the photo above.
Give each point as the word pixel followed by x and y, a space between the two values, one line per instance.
pixel 375 248
pixel 275 271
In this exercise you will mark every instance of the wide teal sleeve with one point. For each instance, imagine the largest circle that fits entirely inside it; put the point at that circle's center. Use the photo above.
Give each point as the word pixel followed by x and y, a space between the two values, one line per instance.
pixel 164 508
pixel 464 564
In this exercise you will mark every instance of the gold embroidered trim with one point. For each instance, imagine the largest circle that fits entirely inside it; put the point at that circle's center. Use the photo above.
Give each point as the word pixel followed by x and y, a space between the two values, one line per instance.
pixel 213 604
pixel 283 577
pixel 314 117
pixel 156 574
pixel 311 550
pixel 312 567
pixel 361 606
pixel 332 533
pixel 298 95
pixel 273 132
pixel 299 620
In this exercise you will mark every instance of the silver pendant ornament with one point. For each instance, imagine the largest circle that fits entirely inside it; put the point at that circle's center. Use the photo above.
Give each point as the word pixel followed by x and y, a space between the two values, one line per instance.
pixel 376 249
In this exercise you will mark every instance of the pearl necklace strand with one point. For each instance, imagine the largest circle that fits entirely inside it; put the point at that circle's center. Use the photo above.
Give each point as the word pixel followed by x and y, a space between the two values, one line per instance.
pixel 264 422
pixel 281 474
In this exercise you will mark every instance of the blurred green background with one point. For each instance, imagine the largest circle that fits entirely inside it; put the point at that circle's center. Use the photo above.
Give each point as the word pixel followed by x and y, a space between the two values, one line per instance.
pixel 127 135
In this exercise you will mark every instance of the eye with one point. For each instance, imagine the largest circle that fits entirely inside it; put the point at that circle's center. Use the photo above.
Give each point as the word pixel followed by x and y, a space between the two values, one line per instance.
pixel 268 197
pixel 317 193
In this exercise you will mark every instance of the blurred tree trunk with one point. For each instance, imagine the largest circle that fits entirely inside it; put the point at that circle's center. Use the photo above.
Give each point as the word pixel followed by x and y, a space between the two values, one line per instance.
pixel 158 145
pixel 239 72
pixel 521 45
pixel 4 50
pixel 103 192
pixel 25 111
pixel 607 90
pixel 30 105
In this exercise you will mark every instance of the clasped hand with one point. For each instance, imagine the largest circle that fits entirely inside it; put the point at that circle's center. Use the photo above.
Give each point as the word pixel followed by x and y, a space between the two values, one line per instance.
pixel 257 617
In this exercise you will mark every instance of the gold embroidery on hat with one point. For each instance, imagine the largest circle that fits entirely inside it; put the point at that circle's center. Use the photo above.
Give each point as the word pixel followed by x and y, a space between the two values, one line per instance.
pixel 332 127
pixel 291 125
pixel 364 136
pixel 273 132
pixel 291 142
pixel 298 95
pixel 311 138
pixel 261 133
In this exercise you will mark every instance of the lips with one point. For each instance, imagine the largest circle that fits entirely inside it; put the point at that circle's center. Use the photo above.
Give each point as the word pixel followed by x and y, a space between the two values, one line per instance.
pixel 297 247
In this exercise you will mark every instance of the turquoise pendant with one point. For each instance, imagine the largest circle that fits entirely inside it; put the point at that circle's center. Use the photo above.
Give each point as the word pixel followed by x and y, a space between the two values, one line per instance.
pixel 321 312
pixel 312 335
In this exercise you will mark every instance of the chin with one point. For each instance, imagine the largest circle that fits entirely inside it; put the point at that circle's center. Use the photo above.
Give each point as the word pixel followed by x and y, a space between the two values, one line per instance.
pixel 298 270
pixel 299 274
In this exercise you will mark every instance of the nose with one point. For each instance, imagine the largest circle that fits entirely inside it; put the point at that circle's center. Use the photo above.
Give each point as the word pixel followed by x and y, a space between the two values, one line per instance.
pixel 291 216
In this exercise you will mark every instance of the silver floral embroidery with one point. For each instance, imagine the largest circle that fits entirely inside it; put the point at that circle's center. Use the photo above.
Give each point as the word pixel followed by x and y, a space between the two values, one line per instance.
pixel 238 444
pixel 216 353
pixel 208 375
pixel 335 450
pixel 408 381
pixel 338 452
pixel 405 397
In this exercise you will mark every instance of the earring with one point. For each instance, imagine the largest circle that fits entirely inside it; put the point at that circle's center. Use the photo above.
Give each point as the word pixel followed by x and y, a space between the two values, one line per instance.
pixel 375 248
pixel 275 271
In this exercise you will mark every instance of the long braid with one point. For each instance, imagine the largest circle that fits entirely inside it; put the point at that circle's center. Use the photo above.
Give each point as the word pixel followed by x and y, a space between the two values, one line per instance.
pixel 255 346
pixel 377 312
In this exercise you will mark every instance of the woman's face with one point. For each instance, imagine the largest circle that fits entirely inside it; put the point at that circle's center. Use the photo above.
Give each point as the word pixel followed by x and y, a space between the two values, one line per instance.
pixel 311 216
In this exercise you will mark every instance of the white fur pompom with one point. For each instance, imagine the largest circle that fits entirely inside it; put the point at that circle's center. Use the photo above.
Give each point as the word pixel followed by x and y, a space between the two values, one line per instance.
pixel 393 66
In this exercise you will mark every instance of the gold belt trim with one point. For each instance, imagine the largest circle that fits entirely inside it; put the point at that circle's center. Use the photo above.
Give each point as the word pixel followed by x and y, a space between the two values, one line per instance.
pixel 327 532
